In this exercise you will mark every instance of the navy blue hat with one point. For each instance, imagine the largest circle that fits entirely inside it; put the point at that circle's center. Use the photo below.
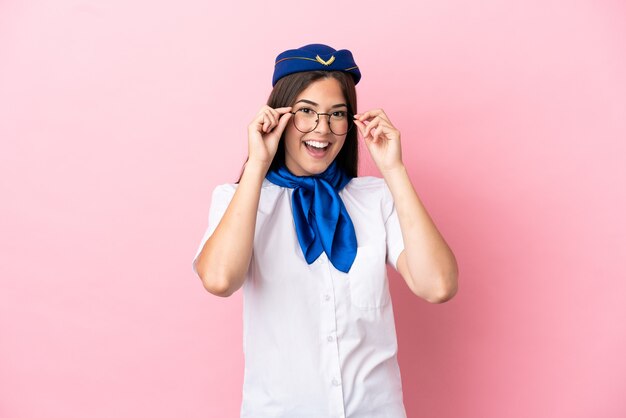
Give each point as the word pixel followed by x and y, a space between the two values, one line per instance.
pixel 315 57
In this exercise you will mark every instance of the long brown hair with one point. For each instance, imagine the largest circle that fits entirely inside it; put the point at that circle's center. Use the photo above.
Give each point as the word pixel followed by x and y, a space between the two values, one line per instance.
pixel 285 93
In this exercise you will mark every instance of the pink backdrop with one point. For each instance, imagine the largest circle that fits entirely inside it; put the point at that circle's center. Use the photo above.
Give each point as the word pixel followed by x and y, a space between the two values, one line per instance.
pixel 118 118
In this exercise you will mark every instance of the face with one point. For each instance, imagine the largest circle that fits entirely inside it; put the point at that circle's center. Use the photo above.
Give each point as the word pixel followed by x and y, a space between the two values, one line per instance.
pixel 311 153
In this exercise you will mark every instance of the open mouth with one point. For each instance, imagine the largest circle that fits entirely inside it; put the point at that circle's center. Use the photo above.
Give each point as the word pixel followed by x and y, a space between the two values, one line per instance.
pixel 316 146
pixel 317 149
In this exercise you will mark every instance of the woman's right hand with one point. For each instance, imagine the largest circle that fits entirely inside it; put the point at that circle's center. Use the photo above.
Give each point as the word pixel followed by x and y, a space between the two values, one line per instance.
pixel 264 133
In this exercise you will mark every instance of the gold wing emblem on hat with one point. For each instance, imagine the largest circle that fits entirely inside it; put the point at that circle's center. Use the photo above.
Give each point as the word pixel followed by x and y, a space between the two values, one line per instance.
pixel 327 63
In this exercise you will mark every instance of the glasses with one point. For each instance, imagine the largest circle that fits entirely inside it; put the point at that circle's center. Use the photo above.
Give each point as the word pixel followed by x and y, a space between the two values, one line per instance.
pixel 306 120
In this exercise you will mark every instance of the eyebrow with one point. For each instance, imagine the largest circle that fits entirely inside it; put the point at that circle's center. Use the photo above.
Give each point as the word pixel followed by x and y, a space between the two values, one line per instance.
pixel 315 104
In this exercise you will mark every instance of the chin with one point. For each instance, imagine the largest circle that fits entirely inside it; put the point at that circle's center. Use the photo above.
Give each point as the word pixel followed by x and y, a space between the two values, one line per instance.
pixel 305 166
pixel 316 167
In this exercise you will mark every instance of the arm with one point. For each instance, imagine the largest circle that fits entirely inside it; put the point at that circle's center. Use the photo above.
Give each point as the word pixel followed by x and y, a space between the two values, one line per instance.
pixel 427 264
pixel 223 262
pixel 225 258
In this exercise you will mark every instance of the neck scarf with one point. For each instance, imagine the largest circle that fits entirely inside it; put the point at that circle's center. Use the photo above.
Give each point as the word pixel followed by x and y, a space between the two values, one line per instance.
pixel 321 219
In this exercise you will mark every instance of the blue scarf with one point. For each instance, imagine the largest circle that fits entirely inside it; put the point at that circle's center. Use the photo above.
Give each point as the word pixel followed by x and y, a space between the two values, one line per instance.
pixel 321 219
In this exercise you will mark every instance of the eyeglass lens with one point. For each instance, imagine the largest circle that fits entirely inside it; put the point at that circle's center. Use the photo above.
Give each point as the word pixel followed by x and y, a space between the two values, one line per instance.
pixel 306 120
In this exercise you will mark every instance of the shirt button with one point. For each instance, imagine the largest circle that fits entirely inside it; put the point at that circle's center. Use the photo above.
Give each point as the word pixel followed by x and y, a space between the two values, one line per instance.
pixel 330 338
pixel 326 297
pixel 336 382
pixel 321 260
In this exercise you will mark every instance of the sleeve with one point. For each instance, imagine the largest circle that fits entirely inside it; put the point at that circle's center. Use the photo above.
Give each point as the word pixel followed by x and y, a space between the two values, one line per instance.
pixel 395 243
pixel 220 199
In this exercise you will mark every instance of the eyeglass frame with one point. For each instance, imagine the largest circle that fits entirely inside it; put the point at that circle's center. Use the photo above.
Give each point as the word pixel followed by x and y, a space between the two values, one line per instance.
pixel 350 121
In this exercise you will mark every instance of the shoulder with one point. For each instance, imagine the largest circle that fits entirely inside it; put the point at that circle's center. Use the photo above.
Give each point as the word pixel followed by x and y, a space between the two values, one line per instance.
pixel 230 188
pixel 369 191
pixel 269 196
pixel 222 194
pixel 366 183
pixel 368 187
pixel 225 190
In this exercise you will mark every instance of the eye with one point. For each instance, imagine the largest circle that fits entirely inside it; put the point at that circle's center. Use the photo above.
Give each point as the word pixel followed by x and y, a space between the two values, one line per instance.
pixel 305 110
pixel 339 114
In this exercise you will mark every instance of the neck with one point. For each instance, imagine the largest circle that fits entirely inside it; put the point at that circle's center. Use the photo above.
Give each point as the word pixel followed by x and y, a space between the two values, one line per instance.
pixel 329 170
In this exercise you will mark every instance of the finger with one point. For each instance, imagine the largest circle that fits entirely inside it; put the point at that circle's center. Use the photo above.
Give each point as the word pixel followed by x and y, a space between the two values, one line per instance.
pixel 266 122
pixel 282 123
pixel 284 120
pixel 373 124
pixel 263 109
pixel 361 116
pixel 257 122
pixel 278 110
pixel 272 119
pixel 383 116
pixel 375 132
pixel 275 115
pixel 380 130
pixel 282 110
pixel 370 114
pixel 360 126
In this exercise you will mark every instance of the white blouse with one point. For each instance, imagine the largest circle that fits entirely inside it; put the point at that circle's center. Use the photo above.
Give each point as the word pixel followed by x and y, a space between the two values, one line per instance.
pixel 318 342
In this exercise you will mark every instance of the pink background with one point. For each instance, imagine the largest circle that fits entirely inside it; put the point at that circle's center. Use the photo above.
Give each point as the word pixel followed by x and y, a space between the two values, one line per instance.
pixel 118 118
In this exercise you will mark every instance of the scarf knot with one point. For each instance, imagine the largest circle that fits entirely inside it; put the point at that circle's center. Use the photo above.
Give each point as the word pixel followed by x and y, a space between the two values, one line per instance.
pixel 321 219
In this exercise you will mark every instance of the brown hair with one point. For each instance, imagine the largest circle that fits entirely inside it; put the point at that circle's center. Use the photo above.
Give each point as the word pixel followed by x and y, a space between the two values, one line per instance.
pixel 285 93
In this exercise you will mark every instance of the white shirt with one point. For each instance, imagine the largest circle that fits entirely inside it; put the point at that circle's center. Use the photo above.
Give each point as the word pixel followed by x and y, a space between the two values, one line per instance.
pixel 318 342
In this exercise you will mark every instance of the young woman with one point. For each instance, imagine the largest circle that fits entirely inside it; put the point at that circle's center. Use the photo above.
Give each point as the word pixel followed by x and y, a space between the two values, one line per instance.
pixel 308 240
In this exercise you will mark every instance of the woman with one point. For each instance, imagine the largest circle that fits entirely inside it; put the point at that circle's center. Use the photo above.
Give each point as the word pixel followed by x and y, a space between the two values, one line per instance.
pixel 308 241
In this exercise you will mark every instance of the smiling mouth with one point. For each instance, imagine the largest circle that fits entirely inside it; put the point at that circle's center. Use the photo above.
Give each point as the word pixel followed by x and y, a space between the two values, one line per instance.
pixel 316 145
pixel 317 149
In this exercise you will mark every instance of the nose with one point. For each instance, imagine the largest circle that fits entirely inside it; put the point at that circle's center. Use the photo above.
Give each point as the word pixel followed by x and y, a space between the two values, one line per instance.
pixel 323 125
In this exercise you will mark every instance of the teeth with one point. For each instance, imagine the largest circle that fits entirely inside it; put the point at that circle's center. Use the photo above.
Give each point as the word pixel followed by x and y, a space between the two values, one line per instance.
pixel 317 144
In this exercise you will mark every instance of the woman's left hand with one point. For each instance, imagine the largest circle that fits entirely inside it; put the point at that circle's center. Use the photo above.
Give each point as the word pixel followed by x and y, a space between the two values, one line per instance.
pixel 381 137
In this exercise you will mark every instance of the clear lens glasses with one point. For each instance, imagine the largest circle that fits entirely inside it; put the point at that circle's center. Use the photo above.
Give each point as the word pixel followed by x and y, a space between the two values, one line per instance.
pixel 306 120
